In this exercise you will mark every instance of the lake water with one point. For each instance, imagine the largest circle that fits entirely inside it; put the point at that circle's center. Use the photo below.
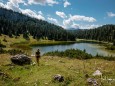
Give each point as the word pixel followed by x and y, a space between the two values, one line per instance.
pixel 90 48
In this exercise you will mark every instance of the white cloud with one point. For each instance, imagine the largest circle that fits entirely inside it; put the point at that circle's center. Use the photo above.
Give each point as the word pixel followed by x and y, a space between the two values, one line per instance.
pixel 75 25
pixel 66 3
pixel 87 26
pixel 2 5
pixel 32 14
pixel 68 22
pixel 51 2
pixel 82 18
pixel 16 2
pixel 43 2
pixel 61 14
pixel 10 5
pixel 40 12
pixel 14 5
pixel 53 20
pixel 110 14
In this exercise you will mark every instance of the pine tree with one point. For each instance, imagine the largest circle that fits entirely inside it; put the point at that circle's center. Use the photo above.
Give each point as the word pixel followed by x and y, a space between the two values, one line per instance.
pixel 114 37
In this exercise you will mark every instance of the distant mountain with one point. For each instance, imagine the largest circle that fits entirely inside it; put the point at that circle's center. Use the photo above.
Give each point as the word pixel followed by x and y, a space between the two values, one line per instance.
pixel 14 23
pixel 73 29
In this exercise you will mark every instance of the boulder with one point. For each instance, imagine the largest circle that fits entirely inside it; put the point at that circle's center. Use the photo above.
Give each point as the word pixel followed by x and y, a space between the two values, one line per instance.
pixel 97 73
pixel 21 59
pixel 92 81
pixel 58 78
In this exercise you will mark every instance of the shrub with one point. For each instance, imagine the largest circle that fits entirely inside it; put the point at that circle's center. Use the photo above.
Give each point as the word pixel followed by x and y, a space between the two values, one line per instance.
pixel 78 54
pixel 4 40
pixel 2 46
pixel 1 50
pixel 71 53
pixel 111 47
pixel 11 52
pixel 14 52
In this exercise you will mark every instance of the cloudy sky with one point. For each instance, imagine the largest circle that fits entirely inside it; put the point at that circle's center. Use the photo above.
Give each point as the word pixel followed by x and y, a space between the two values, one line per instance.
pixel 84 14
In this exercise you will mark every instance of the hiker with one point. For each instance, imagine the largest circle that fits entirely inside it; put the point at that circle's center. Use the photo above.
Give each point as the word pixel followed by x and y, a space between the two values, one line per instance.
pixel 37 56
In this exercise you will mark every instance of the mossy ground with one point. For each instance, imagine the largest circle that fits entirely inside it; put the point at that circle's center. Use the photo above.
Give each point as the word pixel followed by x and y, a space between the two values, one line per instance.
pixel 73 70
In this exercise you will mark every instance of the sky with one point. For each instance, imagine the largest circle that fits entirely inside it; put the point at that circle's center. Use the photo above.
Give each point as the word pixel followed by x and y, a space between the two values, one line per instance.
pixel 83 14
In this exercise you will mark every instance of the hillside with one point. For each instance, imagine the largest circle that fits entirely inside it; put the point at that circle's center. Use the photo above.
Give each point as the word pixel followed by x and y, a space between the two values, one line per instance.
pixel 103 33
pixel 14 23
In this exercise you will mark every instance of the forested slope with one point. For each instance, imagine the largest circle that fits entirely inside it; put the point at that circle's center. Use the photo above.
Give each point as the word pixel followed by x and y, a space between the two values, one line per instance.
pixel 14 23
pixel 103 33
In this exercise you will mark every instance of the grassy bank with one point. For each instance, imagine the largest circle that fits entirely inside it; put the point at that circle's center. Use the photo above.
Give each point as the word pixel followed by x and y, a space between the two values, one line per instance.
pixel 73 70
pixel 21 43
pixel 45 43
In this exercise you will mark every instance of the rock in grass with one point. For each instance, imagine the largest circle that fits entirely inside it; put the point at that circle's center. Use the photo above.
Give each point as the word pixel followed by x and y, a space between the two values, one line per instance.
pixel 58 78
pixel 21 59
pixel 97 73
pixel 92 82
pixel 4 75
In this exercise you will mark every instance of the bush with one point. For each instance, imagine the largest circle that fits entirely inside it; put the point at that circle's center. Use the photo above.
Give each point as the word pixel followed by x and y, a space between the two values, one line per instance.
pixel 71 53
pixel 111 47
pixel 14 52
pixel 11 52
pixel 4 40
pixel 2 46
pixel 78 54
pixel 1 50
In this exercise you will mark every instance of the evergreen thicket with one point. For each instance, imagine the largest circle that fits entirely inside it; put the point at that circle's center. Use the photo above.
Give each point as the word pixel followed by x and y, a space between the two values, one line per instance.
pixel 103 33
pixel 14 23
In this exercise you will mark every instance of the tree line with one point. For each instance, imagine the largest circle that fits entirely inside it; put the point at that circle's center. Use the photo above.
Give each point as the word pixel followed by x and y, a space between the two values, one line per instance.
pixel 103 33
pixel 14 23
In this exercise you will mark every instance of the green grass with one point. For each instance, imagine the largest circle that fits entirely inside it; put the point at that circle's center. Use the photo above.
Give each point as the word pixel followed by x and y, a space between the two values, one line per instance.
pixel 50 42
pixel 73 70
